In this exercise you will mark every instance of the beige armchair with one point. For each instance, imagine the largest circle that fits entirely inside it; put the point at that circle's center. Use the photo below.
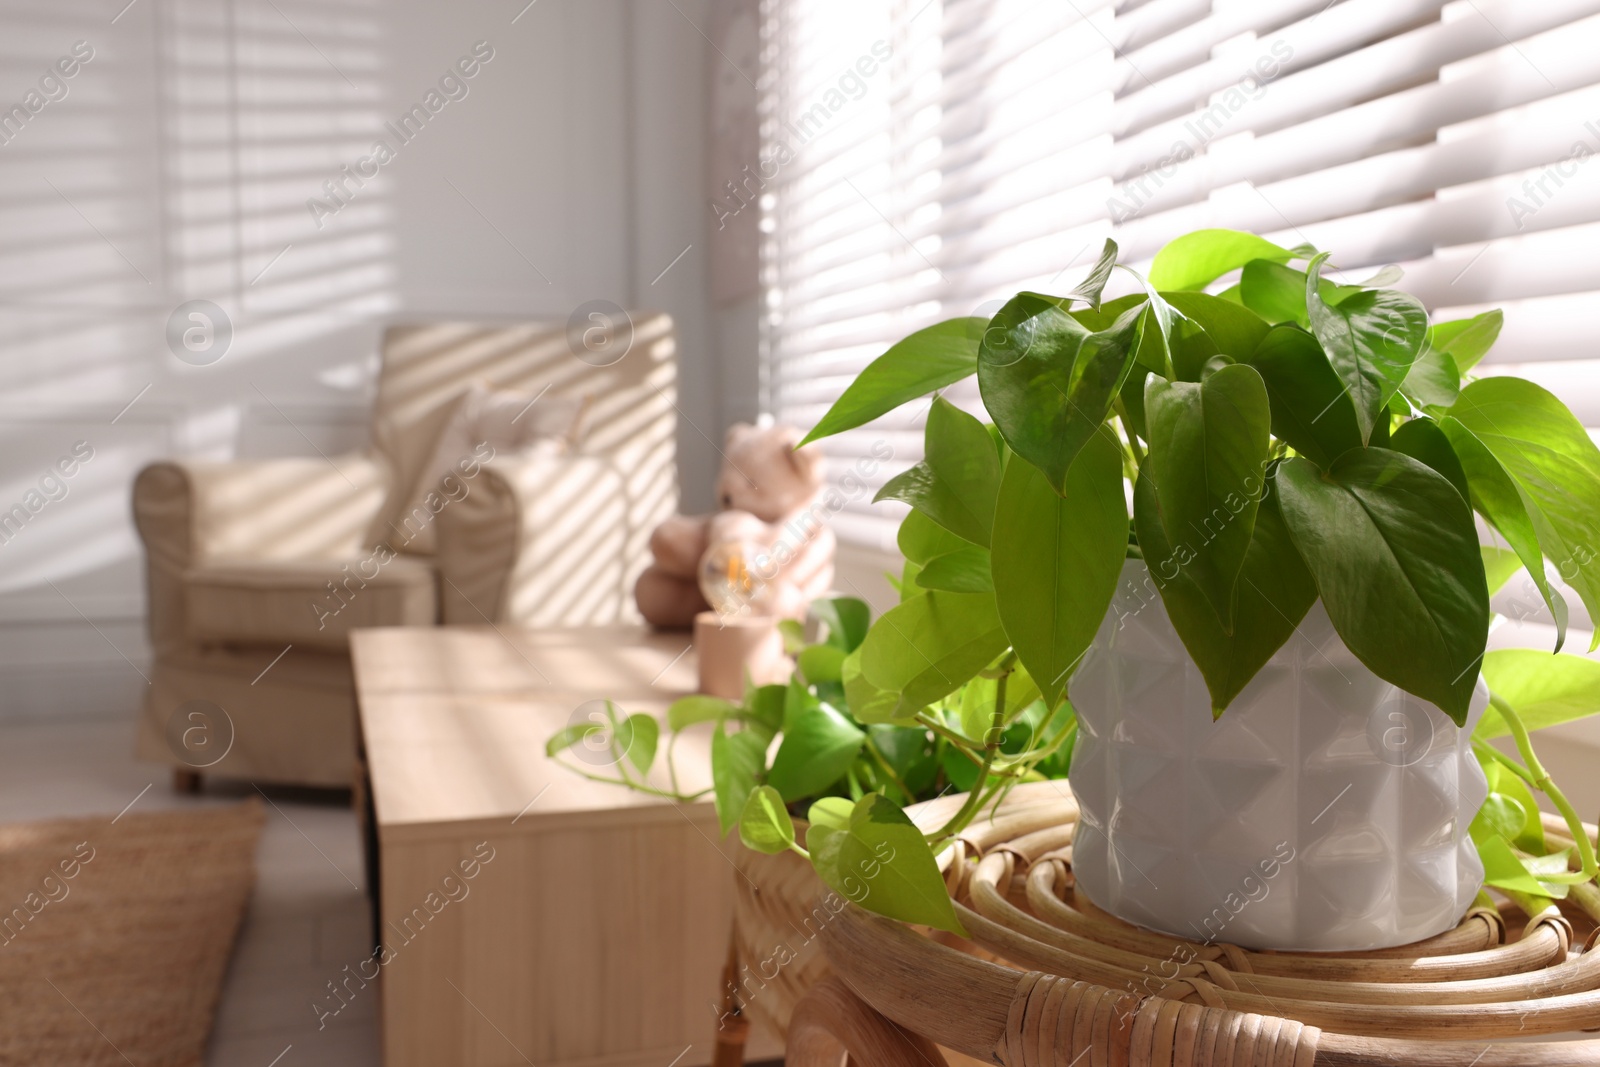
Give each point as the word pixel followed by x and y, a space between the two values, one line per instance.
pixel 256 572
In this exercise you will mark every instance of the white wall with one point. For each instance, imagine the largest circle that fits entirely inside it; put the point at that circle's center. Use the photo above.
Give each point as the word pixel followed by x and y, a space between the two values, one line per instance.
pixel 178 166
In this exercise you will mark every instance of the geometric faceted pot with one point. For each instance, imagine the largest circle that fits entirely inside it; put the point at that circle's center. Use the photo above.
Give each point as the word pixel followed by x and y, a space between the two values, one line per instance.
pixel 1326 810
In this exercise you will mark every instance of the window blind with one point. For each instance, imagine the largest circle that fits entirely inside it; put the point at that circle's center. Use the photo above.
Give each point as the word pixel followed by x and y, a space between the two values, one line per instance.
pixel 992 145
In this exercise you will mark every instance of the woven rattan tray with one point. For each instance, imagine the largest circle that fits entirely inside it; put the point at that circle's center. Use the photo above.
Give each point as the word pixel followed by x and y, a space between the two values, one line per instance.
pixel 1048 979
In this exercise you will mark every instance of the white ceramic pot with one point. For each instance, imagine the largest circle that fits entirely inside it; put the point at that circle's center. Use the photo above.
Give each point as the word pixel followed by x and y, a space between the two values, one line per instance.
pixel 1326 810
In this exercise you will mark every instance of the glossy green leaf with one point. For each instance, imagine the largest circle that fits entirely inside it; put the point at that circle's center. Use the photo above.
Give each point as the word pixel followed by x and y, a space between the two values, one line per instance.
pixel 1234 330
pixel 921 539
pixel 832 812
pixel 955 483
pixel 1371 339
pixel 686 711
pixel 1434 380
pixel 1543 688
pixel 1311 409
pixel 880 861
pixel 1467 341
pixel 571 735
pixel 1497 497
pixel 1099 318
pixel 817 748
pixel 764 824
pixel 637 738
pixel 1422 439
pixel 978 698
pixel 1275 591
pixel 1501 815
pixel 926 647
pixel 793 632
pixel 965 570
pixel 1208 459
pixel 1191 348
pixel 764 704
pixel 847 619
pixel 1530 838
pixel 1090 288
pixel 929 359
pixel 1502 869
pixel 1048 383
pixel 1554 463
pixel 1394 552
pixel 1277 292
pixel 821 663
pixel 1197 259
pixel 736 761
pixel 1056 559
pixel 867 702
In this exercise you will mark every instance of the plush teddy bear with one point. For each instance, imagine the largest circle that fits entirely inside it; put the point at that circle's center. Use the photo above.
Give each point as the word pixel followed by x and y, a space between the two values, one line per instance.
pixel 768 490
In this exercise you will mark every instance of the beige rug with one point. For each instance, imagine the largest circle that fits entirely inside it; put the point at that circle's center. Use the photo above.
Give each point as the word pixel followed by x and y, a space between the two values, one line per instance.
pixel 114 936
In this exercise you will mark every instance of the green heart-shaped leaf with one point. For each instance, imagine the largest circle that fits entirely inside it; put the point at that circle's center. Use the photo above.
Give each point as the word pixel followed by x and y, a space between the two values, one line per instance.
pixel 1090 288
pixel 764 824
pixel 1544 688
pixel 1274 593
pixel 736 760
pixel 1056 559
pixel 637 737
pixel 1498 498
pixel 929 359
pixel 965 570
pixel 867 702
pixel 955 483
pixel 1502 869
pixel 1434 380
pixel 832 812
pixel 1467 341
pixel 821 663
pixel 1196 259
pixel 847 619
pixel 1310 407
pixel 1371 339
pixel 818 746
pixel 1422 439
pixel 1233 330
pixel 1278 293
pixel 921 539
pixel 880 861
pixel 926 647
pixel 1048 383
pixel 1556 466
pixel 1208 458
pixel 1394 552
pixel 686 711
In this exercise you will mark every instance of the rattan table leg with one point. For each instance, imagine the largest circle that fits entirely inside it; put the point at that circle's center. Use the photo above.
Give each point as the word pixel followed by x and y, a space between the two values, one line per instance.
pixel 831 1022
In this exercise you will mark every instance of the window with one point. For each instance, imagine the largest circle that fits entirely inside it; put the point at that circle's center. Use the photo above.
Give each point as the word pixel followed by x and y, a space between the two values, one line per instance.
pixel 991 145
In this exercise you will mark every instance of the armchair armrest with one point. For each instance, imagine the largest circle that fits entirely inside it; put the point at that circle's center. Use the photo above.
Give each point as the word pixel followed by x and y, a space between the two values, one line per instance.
pixel 539 539
pixel 192 513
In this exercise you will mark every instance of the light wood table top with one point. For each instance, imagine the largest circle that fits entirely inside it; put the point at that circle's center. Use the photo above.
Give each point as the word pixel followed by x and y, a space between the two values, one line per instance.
pixel 455 720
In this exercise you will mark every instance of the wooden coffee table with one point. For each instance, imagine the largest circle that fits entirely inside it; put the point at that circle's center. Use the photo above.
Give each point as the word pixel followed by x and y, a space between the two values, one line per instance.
pixel 594 933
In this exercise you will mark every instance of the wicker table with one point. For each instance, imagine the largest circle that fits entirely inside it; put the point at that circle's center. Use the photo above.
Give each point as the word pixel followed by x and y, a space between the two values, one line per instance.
pixel 1048 980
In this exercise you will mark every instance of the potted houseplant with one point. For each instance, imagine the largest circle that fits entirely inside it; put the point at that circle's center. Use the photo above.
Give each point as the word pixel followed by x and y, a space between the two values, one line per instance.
pixel 1173 484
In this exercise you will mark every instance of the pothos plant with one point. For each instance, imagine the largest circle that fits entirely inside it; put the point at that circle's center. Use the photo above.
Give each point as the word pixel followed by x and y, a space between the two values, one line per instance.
pixel 851 778
pixel 1283 439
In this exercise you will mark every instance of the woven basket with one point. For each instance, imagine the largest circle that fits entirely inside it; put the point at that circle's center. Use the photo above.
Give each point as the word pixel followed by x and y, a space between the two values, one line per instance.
pixel 779 911
pixel 1074 982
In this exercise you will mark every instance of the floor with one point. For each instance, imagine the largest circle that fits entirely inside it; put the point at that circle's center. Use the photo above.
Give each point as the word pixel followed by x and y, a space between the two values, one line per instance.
pixel 307 920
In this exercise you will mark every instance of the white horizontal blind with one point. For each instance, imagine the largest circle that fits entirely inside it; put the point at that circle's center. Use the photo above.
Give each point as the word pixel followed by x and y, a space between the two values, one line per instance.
pixel 1003 140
